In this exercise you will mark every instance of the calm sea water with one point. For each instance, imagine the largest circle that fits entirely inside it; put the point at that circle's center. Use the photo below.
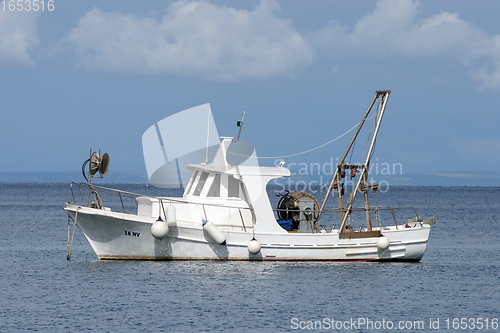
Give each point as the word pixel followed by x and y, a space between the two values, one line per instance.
pixel 459 277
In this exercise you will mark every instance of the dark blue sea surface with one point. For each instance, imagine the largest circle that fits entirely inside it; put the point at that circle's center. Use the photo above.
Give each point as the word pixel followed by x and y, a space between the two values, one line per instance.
pixel 458 277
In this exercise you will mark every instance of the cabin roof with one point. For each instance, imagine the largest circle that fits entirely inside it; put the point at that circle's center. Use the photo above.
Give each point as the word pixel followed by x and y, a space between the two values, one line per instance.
pixel 220 165
pixel 242 170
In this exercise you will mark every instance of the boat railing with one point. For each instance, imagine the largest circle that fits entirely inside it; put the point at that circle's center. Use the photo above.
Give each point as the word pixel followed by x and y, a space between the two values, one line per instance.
pixel 92 196
pixel 374 209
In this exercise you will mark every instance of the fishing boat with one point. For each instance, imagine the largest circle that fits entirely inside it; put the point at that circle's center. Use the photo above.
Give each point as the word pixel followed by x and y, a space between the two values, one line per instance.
pixel 225 214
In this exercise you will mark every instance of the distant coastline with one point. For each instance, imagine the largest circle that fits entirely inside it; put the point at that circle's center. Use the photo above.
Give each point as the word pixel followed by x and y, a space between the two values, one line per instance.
pixel 116 177
pixel 140 177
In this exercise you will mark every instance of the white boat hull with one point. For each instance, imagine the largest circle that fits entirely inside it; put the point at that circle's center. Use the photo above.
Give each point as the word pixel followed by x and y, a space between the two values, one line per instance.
pixel 115 235
pixel 225 207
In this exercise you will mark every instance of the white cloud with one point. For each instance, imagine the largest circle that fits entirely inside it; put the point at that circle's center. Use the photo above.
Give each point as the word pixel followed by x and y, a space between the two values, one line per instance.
pixel 198 38
pixel 17 36
pixel 193 38
pixel 394 29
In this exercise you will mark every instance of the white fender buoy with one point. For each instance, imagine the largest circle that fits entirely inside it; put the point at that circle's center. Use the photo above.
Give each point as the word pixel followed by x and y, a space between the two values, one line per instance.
pixel 253 246
pixel 171 218
pixel 213 231
pixel 159 229
pixel 382 243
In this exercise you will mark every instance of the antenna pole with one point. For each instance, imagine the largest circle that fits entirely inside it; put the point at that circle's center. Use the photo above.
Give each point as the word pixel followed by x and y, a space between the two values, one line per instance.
pixel 90 156
pixel 240 125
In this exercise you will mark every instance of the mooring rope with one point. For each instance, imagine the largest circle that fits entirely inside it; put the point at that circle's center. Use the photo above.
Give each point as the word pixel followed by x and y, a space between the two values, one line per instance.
pixel 70 247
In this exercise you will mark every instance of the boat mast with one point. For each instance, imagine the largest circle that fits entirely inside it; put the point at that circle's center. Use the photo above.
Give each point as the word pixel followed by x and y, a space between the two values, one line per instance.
pixel 337 177
pixel 364 170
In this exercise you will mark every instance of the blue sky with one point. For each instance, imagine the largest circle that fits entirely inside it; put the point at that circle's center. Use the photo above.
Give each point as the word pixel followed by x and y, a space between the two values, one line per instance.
pixel 98 74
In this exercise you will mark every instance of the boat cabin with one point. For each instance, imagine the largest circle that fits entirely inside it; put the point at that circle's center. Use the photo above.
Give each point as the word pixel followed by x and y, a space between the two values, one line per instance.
pixel 242 186
pixel 229 196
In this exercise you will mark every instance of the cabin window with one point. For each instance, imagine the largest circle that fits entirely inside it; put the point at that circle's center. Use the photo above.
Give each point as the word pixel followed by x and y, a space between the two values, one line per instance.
pixel 201 183
pixel 233 187
pixel 214 190
pixel 193 178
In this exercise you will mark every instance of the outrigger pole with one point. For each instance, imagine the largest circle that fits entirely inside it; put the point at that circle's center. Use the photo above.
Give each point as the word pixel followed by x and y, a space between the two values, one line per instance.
pixel 340 173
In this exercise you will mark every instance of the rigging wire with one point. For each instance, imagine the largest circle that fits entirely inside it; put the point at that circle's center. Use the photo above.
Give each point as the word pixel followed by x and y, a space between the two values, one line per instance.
pixel 304 152
pixel 371 132
pixel 366 145
pixel 352 149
